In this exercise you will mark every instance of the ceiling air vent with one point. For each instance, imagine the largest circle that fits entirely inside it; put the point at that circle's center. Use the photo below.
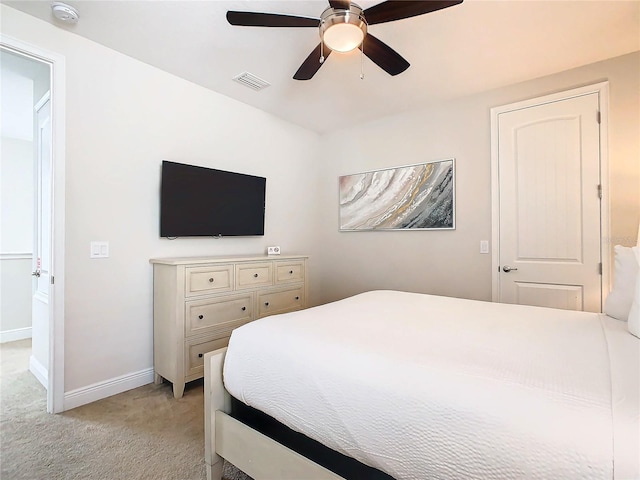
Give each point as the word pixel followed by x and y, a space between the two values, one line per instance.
pixel 250 80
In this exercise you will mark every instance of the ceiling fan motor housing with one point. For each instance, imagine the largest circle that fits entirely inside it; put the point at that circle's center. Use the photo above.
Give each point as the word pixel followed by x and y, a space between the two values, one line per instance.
pixel 343 30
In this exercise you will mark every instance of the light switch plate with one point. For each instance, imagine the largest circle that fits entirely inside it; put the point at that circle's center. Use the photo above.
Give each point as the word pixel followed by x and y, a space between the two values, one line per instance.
pixel 99 250
pixel 484 246
pixel 273 250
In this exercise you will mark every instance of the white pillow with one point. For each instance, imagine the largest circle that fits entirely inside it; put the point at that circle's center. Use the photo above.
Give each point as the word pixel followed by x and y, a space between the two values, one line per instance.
pixel 634 314
pixel 625 271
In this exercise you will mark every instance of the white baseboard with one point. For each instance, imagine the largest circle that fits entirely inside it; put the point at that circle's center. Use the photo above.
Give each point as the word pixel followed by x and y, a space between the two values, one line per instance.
pixel 39 371
pixel 14 335
pixel 98 391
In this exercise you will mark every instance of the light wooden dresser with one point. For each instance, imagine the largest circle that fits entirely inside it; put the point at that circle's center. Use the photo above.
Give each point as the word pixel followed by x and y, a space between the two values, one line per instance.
pixel 198 301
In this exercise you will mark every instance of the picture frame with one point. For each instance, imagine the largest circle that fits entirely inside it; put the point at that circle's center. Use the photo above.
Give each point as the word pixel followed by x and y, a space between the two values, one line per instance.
pixel 412 197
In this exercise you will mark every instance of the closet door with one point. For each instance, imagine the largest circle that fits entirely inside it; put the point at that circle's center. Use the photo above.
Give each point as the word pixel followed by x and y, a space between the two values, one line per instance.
pixel 549 188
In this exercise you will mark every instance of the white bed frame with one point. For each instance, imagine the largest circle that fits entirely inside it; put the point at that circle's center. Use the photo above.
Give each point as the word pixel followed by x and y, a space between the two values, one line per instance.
pixel 252 452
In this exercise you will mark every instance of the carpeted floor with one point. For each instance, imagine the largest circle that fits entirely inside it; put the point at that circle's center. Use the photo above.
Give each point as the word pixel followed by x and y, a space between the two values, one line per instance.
pixel 141 434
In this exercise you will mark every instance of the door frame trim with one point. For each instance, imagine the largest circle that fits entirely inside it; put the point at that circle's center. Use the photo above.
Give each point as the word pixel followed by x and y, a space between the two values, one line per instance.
pixel 602 89
pixel 55 378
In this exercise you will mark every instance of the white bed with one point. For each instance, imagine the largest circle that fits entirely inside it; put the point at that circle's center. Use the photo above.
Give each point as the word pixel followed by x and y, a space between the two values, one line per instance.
pixel 421 387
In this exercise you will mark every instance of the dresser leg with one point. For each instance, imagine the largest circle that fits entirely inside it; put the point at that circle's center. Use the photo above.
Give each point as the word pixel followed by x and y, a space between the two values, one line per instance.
pixel 157 379
pixel 214 472
pixel 178 389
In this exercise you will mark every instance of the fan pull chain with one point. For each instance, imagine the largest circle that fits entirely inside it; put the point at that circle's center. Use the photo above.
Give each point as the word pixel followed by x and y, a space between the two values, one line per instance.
pixel 362 62
pixel 321 52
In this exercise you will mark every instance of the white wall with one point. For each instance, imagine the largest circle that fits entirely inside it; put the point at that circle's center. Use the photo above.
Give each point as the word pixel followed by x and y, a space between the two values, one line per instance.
pixel 449 262
pixel 16 232
pixel 16 167
pixel 15 307
pixel 123 118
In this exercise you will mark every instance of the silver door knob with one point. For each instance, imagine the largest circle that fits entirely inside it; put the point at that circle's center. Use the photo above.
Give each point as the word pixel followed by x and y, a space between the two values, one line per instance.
pixel 36 273
pixel 507 269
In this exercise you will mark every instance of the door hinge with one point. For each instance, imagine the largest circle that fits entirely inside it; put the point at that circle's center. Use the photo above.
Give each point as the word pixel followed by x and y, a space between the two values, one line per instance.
pixel 53 279
pixel 598 117
pixel 599 191
pixel 600 268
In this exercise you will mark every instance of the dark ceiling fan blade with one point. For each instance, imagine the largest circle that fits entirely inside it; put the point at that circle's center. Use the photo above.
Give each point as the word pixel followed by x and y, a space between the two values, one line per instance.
pixel 255 19
pixel 383 55
pixel 312 63
pixel 340 4
pixel 398 9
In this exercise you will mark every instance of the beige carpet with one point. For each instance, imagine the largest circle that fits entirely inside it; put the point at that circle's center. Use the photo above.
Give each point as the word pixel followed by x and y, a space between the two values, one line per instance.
pixel 141 434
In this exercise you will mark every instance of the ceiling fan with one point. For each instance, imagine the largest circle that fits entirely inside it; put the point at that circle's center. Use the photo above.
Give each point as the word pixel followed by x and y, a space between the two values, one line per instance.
pixel 343 27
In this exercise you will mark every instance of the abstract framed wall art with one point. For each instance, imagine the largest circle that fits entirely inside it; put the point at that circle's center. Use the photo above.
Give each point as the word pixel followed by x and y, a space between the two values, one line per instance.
pixel 414 197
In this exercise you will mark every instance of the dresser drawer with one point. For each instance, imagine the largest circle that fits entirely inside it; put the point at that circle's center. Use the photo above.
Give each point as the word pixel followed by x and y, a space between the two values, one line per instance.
pixel 203 280
pixel 280 301
pixel 194 363
pixel 217 316
pixel 254 274
pixel 289 272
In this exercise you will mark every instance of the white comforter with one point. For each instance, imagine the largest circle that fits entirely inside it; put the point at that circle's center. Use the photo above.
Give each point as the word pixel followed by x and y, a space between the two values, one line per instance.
pixel 426 387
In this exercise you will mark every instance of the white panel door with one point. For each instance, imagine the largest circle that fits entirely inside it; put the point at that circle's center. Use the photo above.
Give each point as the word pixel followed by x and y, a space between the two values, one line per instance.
pixel 42 240
pixel 549 176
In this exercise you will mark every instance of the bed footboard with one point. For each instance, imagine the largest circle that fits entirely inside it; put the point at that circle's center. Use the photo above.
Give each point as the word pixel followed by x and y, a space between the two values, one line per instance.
pixel 215 398
pixel 254 453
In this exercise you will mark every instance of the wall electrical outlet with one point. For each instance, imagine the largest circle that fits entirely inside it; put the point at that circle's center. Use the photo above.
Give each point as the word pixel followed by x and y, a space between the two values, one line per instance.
pixel 273 250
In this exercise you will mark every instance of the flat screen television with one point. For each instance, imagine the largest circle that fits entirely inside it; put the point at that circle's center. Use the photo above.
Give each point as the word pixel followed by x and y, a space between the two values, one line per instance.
pixel 198 201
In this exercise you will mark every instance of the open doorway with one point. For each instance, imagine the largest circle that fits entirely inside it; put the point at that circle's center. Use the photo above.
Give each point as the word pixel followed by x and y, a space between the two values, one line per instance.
pixel 25 156
pixel 32 190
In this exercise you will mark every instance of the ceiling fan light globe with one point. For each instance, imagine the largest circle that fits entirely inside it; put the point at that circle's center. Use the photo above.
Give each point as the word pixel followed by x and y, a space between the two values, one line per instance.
pixel 343 30
pixel 343 37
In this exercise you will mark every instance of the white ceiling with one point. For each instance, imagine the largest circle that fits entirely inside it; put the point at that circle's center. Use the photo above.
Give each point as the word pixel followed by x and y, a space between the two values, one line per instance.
pixel 472 47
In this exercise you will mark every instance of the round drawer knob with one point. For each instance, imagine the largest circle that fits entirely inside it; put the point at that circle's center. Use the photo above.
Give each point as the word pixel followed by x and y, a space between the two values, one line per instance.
pixel 297 298
pixel 290 272
pixel 244 308
pixel 255 275
pixel 266 304
pixel 200 317
pixel 200 355
pixel 211 280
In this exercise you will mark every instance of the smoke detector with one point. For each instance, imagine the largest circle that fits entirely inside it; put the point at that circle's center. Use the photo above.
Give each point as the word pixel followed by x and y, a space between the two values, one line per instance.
pixel 64 13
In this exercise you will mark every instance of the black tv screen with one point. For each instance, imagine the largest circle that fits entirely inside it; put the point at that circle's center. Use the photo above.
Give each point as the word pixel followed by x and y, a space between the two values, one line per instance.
pixel 198 201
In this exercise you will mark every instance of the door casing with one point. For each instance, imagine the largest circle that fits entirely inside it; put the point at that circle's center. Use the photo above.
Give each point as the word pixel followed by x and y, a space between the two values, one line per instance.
pixel 55 380
pixel 602 89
